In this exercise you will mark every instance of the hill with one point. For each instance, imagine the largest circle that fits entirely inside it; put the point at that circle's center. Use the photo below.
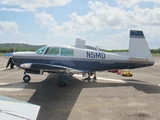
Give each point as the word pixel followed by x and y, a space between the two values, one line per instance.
pixel 6 47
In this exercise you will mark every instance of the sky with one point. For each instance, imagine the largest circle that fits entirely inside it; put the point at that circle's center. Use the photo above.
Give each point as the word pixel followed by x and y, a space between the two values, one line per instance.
pixel 104 23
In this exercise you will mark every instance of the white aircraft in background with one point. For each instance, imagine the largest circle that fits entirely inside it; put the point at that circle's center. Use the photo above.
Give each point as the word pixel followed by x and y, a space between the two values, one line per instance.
pixel 67 60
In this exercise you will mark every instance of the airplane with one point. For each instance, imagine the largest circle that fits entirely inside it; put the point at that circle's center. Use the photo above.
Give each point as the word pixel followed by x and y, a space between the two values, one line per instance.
pixel 68 60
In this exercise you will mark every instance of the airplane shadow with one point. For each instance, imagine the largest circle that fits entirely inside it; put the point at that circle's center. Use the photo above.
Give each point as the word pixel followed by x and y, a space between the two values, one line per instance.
pixel 146 87
pixel 57 102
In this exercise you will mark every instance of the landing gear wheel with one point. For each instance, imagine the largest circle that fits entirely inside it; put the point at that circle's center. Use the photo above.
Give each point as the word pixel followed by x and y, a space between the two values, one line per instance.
pixel 26 78
pixel 62 81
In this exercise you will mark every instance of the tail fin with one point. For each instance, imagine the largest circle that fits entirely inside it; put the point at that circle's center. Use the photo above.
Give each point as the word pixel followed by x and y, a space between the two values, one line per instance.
pixel 138 47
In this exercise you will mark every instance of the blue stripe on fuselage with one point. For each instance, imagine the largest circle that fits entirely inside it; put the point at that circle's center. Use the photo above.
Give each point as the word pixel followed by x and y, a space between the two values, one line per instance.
pixel 84 64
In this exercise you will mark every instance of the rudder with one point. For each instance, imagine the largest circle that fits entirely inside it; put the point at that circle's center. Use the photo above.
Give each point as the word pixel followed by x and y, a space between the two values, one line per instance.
pixel 138 47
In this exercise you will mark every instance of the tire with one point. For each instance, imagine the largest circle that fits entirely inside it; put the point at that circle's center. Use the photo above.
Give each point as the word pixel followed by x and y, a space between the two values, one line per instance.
pixel 62 81
pixel 26 78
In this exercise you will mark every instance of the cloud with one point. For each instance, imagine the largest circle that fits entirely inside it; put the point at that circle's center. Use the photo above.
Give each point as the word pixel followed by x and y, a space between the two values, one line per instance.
pixel 128 3
pixel 102 16
pixel 115 41
pixel 8 27
pixel 67 29
pixel 12 9
pixel 46 20
pixel 154 1
pixel 32 5
pixel 132 3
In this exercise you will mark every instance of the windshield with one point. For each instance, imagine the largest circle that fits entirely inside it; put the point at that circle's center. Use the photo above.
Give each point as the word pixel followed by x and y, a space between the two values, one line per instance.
pixel 41 50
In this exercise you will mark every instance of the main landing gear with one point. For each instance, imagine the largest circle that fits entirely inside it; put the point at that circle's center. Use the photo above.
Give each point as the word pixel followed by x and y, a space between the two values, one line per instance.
pixel 63 79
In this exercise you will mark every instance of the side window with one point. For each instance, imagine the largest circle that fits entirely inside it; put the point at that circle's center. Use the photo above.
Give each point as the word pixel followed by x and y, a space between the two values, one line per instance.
pixel 52 51
pixel 66 52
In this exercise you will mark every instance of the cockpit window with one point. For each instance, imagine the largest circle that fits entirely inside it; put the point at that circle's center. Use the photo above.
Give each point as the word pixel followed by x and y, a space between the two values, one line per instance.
pixel 52 51
pixel 41 50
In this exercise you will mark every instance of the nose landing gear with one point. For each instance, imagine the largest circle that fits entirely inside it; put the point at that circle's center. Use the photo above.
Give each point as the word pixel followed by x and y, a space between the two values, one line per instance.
pixel 26 78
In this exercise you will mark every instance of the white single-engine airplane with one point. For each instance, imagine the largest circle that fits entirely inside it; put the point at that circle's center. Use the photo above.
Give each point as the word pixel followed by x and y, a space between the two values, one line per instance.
pixel 67 60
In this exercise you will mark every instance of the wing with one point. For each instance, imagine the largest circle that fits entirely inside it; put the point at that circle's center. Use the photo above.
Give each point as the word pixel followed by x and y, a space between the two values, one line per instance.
pixel 11 108
pixel 50 68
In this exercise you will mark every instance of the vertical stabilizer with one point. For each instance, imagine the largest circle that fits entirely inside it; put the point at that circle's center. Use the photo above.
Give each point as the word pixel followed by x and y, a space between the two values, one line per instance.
pixel 138 47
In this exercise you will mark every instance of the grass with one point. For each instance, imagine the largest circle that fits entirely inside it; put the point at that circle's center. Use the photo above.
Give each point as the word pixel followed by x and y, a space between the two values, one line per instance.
pixel 158 54
pixel 1 54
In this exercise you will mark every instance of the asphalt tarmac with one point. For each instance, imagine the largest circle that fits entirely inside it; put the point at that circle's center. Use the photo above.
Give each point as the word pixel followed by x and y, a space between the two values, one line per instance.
pixel 111 97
